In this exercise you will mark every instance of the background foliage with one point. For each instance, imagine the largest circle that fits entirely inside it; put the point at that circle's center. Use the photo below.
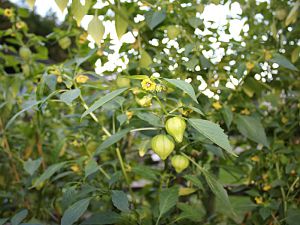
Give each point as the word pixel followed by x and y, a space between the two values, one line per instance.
pixel 75 144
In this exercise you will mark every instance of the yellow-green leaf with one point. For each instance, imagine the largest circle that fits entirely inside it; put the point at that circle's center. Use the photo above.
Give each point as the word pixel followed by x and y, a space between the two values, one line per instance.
pixel 62 4
pixel 79 10
pixel 96 30
pixel 121 25
pixel 145 59
pixel 30 3
pixel 292 17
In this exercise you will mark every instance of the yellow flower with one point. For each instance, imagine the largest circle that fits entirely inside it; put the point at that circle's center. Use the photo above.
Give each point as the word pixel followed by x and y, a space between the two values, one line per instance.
pixel 148 84
pixel 82 79
pixel 284 120
pixel 83 38
pixel 258 200
pixel 267 187
pixel 129 114
pixel 8 12
pixel 249 65
pixel 217 105
pixel 255 158
pixel 59 79
pixel 75 168
pixel 245 111
pixel 145 101
pixel 20 24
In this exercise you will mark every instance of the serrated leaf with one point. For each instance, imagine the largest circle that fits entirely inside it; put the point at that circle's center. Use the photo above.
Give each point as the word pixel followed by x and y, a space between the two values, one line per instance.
pixel 112 140
pixel 19 217
pixel 218 189
pixel 168 199
pixel 252 128
pixel 150 118
pixel 153 19
pixel 48 173
pixel 30 166
pixel 69 96
pixel 283 61
pixel 91 167
pixel 213 132
pixel 120 200
pixel 96 30
pixel 62 4
pixel 103 100
pixel 184 86
pixel 75 211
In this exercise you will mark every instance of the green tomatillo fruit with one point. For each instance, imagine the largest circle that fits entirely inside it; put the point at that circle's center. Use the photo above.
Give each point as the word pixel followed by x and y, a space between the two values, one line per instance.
pixel 64 43
pixel 25 53
pixel 180 163
pixel 173 32
pixel 176 126
pixel 162 145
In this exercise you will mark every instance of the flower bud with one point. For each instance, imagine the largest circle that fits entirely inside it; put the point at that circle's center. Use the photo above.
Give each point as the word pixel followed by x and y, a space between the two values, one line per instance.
pixel 180 163
pixel 176 126
pixel 162 145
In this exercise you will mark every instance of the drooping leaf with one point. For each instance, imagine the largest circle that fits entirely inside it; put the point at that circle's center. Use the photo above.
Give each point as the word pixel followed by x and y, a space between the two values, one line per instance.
pixel 91 167
pixel 48 173
pixel 145 60
pixel 213 132
pixel 292 16
pixel 30 3
pixel 227 115
pixel 184 86
pixel 121 24
pixel 19 217
pixel 153 19
pixel 62 4
pixel 75 211
pixel 283 61
pixel 79 11
pixel 30 166
pixel 100 102
pixel 112 140
pixel 120 200
pixel 69 96
pixel 252 128
pixel 96 30
pixel 168 199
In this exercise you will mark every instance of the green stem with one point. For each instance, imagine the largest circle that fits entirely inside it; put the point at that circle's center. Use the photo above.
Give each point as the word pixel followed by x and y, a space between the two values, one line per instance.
pixel 161 105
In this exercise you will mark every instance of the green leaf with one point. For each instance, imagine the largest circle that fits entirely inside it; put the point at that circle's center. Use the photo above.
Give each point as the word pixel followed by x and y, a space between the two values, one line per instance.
pixel 79 11
pixel 137 77
pixel 30 166
pixel 213 132
pixel 19 217
pixel 62 4
pixel 120 200
pixel 90 168
pixel 48 173
pixel 168 199
pixel 227 115
pixel 293 216
pixel 112 140
pixel 155 18
pixel 96 29
pixel 69 96
pixel 100 102
pixel 191 212
pixel 184 86
pixel 29 106
pixel 195 22
pixel 75 211
pixel 283 61
pixel 252 128
pixel 121 24
pixel 3 220
pixel 218 189
pixel 150 118
pixel 103 218
pixel 195 181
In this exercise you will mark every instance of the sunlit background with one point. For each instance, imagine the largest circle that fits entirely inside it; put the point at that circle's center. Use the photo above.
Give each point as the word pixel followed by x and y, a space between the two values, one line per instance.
pixel 213 16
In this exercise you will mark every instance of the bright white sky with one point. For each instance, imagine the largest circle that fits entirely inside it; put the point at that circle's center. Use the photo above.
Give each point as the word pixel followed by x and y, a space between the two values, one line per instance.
pixel 213 16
